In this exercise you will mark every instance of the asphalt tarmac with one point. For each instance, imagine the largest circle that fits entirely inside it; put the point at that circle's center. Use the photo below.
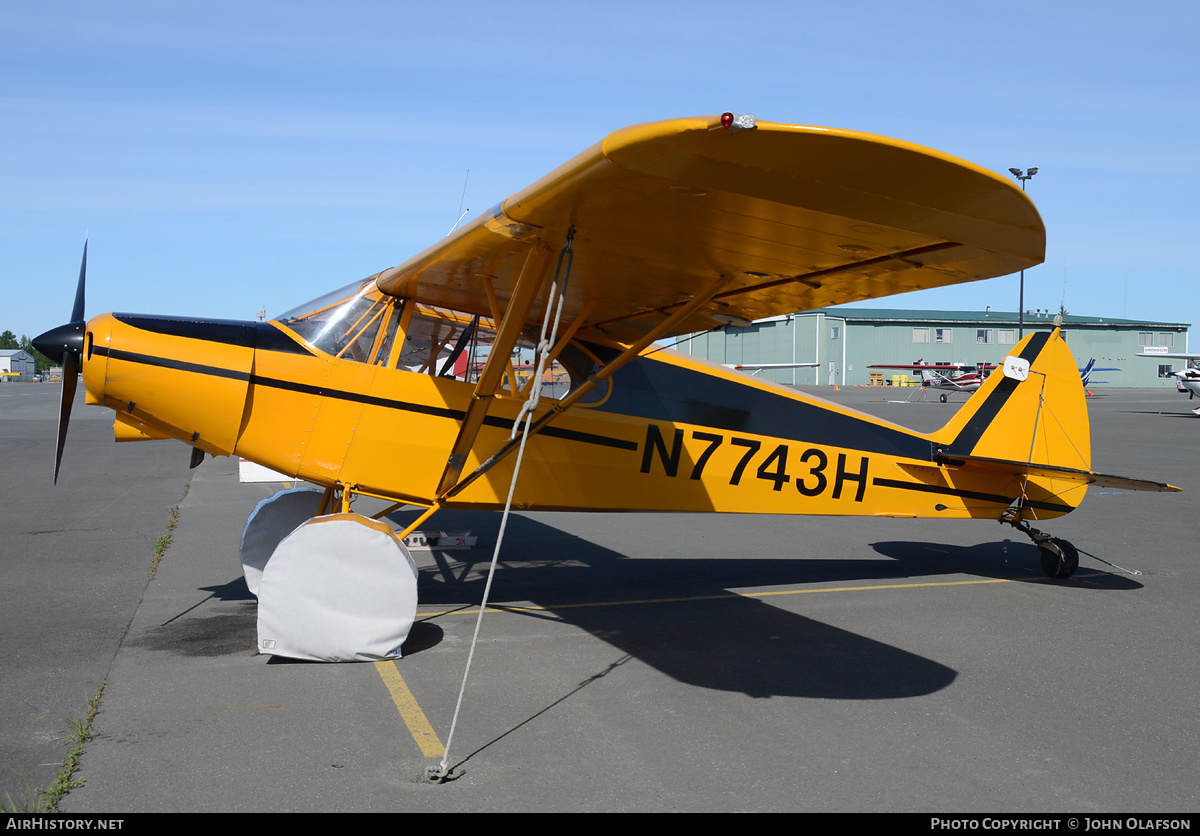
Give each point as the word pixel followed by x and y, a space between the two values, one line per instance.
pixel 75 560
pixel 638 662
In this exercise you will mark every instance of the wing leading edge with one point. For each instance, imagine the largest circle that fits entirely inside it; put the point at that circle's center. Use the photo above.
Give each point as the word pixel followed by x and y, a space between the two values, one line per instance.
pixel 790 217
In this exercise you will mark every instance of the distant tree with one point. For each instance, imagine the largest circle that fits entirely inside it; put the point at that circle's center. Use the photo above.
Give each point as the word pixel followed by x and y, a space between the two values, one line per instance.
pixel 41 361
pixel 9 340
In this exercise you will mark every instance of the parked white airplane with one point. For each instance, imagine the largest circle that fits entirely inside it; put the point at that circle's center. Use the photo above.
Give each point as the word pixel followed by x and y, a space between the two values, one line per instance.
pixel 951 376
pixel 1187 379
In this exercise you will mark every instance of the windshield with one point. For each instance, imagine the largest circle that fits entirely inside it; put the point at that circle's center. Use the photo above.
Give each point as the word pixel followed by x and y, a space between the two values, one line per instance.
pixel 342 323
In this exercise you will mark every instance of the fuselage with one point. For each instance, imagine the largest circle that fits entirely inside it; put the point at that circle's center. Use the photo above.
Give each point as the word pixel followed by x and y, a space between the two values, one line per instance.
pixel 967 382
pixel 379 414
pixel 1188 381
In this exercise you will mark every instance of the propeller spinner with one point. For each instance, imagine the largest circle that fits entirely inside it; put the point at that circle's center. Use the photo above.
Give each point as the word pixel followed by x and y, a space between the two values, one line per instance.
pixel 67 341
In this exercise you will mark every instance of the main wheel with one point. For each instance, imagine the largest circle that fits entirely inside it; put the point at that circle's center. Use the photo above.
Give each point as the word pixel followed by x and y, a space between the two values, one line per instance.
pixel 943 397
pixel 1060 559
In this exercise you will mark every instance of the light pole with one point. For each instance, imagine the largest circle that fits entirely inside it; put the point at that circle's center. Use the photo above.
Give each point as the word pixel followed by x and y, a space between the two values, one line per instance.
pixel 1022 176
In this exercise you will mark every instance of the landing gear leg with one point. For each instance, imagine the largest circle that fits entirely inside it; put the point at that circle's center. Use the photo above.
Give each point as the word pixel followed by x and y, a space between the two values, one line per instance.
pixel 1060 558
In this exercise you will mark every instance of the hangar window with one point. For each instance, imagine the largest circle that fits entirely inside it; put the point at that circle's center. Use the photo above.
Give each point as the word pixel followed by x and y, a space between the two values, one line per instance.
pixel 983 336
pixel 1166 338
pixel 920 335
pixel 943 335
pixel 1145 338
pixel 1166 370
pixel 835 332
pixel 1008 336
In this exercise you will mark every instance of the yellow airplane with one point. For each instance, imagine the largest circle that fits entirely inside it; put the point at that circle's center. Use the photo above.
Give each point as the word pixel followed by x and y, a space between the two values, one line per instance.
pixel 661 229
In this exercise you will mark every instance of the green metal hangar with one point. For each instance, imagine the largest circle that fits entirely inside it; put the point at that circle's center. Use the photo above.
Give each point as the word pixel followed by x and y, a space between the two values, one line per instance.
pixel 838 345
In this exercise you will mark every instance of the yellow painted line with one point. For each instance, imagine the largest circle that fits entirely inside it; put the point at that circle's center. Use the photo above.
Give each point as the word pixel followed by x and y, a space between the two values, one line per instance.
pixel 728 595
pixel 410 711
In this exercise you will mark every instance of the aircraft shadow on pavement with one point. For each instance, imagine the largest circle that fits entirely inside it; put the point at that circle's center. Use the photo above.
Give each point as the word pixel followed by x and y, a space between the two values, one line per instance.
pixel 676 615
pixel 1015 560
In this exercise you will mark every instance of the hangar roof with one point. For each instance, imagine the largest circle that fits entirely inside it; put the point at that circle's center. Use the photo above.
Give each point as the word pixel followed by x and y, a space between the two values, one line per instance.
pixel 986 318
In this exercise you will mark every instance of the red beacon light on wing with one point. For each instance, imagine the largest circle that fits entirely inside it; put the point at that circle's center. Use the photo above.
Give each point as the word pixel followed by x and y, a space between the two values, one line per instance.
pixel 738 122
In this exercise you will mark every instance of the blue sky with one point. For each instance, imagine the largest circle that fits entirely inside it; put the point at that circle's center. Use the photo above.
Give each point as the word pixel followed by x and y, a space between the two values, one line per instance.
pixel 231 157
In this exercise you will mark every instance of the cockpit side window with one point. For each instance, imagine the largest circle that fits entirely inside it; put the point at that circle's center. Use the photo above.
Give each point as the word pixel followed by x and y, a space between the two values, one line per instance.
pixel 360 323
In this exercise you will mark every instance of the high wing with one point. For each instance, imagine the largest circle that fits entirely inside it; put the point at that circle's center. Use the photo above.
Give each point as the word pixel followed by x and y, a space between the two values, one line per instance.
pixel 920 367
pixel 762 366
pixel 758 222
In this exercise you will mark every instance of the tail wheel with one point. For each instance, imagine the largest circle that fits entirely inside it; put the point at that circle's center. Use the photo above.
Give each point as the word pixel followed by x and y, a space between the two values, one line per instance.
pixel 1060 559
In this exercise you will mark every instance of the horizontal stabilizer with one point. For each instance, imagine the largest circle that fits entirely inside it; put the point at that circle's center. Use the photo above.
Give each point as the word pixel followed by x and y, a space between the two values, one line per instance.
pixel 1089 477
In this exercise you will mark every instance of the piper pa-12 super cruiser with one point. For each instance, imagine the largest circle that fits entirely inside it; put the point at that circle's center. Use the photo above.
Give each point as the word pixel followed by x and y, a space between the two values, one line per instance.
pixel 659 230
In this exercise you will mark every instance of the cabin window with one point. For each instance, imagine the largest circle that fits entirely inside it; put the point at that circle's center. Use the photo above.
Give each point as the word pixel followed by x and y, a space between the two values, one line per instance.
pixel 360 323
pixel 579 361
pixel 455 344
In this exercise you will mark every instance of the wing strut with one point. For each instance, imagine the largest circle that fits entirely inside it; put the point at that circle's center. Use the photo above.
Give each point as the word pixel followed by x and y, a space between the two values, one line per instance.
pixel 528 284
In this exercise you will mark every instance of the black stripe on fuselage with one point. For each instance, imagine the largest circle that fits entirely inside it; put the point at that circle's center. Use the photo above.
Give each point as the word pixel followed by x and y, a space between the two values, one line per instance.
pixel 355 397
pixel 258 335
pixel 999 499
pixel 921 487
pixel 166 363
pixel 970 434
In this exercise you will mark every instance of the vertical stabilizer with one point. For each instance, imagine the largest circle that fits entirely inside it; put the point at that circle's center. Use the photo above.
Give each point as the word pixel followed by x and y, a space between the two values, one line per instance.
pixel 1031 411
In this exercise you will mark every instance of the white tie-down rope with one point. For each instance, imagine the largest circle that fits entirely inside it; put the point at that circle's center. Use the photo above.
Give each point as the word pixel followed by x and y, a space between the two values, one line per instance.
pixel 545 342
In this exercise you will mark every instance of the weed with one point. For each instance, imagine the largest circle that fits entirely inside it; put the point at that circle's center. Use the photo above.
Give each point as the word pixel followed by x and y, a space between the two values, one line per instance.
pixel 163 543
pixel 79 733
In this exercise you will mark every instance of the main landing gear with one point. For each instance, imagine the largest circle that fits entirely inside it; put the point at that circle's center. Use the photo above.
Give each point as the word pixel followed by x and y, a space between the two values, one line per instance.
pixel 1060 558
pixel 331 587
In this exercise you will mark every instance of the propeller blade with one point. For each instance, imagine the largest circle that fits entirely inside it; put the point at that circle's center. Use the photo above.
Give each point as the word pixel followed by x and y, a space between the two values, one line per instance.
pixel 77 310
pixel 67 341
pixel 70 380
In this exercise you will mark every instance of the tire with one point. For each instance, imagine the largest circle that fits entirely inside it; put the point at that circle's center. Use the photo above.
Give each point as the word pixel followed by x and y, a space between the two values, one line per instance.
pixel 1060 559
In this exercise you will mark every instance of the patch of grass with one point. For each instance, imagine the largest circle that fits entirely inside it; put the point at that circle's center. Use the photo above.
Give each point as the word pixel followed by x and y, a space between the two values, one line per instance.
pixel 163 543
pixel 78 733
